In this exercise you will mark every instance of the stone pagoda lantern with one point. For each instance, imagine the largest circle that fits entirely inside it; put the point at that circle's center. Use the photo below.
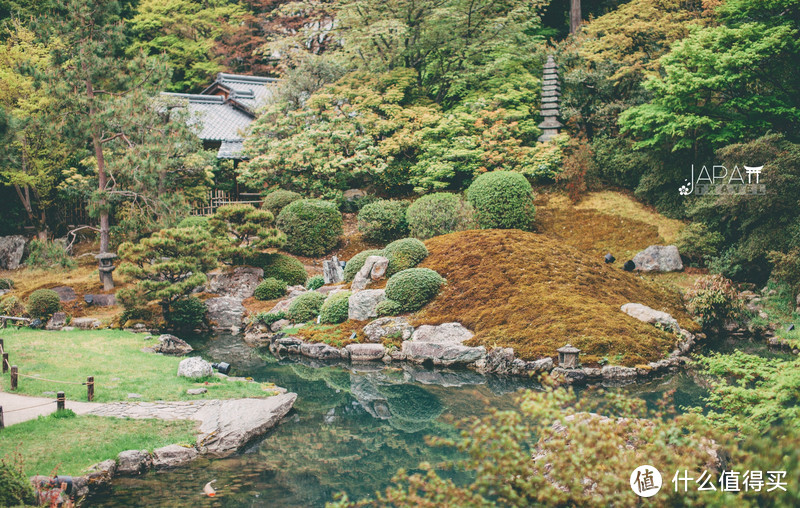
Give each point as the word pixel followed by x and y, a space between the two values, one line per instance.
pixel 551 93
pixel 568 357
pixel 106 266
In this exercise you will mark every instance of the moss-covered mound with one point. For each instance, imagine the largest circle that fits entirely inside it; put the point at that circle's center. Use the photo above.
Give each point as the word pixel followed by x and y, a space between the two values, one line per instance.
pixel 535 294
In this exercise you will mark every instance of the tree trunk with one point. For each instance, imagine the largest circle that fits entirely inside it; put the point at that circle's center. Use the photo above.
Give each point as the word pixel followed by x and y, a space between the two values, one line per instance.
pixel 574 16
pixel 102 179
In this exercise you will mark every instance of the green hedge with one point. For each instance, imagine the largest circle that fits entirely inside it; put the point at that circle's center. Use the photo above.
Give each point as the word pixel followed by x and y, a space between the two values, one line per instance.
pixel 312 226
pixel 355 263
pixel 413 288
pixel 276 200
pixel 281 267
pixel 336 307
pixel 502 200
pixel 383 221
pixel 43 303
pixel 270 289
pixel 389 308
pixel 439 214
pixel 306 307
pixel 405 253
pixel 187 313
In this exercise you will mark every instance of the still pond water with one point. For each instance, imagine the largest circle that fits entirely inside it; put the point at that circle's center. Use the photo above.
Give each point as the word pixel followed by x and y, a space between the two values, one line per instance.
pixel 350 430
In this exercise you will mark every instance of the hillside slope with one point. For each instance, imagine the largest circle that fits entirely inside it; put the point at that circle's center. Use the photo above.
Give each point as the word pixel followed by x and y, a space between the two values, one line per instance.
pixel 534 293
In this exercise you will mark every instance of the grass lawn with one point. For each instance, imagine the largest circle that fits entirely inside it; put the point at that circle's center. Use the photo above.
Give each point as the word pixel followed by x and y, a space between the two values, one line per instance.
pixel 115 360
pixel 69 445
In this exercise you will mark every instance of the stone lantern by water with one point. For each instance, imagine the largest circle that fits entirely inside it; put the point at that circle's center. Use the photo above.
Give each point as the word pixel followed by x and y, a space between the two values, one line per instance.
pixel 105 267
pixel 568 357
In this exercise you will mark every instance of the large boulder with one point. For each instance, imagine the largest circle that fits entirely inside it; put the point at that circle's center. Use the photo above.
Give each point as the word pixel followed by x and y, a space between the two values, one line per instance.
pixel 442 345
pixel 391 326
pixel 226 312
pixel 132 462
pixel 172 345
pixel 173 456
pixel 363 305
pixel 374 268
pixel 86 323
pixel 365 352
pixel 194 368
pixel 240 283
pixel 228 425
pixel 320 351
pixel 100 300
pixel 659 258
pixel 65 293
pixel 652 316
pixel 11 250
pixel 57 322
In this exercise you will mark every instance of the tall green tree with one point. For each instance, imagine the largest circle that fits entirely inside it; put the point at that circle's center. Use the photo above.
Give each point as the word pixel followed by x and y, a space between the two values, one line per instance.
pixel 107 102
pixel 31 161
pixel 186 33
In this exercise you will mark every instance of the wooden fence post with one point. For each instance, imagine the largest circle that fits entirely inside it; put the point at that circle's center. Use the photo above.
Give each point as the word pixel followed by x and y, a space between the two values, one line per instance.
pixel 2 345
pixel 13 377
pixel 60 401
pixel 90 388
pixel 5 363
pixel 2 423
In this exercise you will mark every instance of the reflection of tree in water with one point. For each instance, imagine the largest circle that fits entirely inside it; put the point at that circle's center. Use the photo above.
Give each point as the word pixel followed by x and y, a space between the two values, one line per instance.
pixel 412 407
pixel 354 452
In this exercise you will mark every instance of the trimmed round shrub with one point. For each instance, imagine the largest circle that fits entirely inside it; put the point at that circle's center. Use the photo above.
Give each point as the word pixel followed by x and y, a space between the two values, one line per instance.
pixel 268 318
pixel 336 307
pixel 405 253
pixel 15 487
pixel 306 307
pixel 194 222
pixel 352 267
pixel 312 226
pixel 383 221
pixel 389 308
pixel 438 214
pixel 6 283
pixel 502 200
pixel 43 303
pixel 276 200
pixel 281 267
pixel 413 288
pixel 315 282
pixel 187 313
pixel 270 289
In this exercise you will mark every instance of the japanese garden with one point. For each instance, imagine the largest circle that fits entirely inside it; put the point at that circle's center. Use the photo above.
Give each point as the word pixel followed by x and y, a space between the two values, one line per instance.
pixel 410 253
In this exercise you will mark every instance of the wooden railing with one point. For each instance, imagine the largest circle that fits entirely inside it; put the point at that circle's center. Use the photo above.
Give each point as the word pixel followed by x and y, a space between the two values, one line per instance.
pixel 217 198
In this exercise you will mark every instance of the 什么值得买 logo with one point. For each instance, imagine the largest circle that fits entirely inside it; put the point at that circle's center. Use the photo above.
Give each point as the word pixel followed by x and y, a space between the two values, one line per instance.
pixel 721 180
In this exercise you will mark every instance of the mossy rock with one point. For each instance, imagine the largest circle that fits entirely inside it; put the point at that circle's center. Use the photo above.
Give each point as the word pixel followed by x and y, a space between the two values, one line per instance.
pixel 356 262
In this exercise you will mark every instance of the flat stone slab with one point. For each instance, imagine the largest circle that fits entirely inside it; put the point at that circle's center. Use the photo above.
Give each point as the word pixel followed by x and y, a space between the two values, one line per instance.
pixel 365 352
pixel 652 316
pixel 442 345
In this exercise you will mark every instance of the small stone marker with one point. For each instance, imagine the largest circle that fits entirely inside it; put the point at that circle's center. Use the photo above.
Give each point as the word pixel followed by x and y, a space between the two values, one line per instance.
pixel 196 391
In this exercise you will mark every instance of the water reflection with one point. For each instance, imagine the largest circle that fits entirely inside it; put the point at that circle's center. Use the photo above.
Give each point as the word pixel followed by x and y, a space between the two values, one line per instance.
pixel 350 430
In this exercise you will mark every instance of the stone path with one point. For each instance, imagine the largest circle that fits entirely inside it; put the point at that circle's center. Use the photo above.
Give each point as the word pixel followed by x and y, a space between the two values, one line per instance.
pixel 21 408
pixel 225 425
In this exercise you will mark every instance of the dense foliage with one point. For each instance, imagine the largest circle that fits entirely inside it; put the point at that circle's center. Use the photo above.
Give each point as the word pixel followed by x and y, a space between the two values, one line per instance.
pixel 269 289
pixel 306 307
pixel 404 253
pixel 312 226
pixel 187 313
pixel 438 214
pixel 43 303
pixel 281 267
pixel 277 199
pixel 413 288
pixel 15 487
pixel 242 229
pixel 315 282
pixel 166 267
pixel 714 300
pixel 335 308
pixel 502 200
pixel 383 221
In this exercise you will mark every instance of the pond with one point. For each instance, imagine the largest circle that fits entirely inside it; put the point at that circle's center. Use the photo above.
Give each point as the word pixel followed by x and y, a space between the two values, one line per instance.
pixel 350 430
